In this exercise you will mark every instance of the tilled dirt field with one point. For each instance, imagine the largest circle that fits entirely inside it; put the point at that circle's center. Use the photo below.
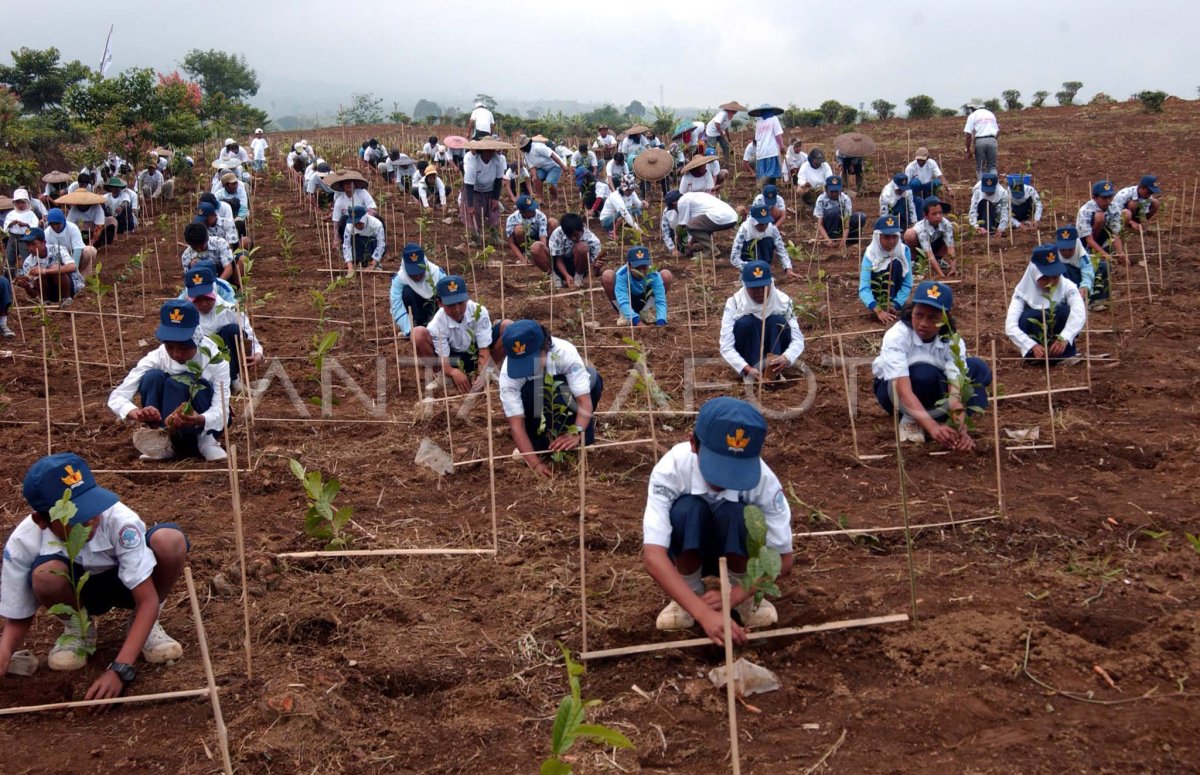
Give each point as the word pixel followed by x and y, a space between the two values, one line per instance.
pixel 449 663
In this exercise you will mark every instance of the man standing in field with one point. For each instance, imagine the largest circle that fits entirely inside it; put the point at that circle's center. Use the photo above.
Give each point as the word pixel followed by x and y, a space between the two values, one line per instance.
pixel 482 122
pixel 979 137
pixel 768 144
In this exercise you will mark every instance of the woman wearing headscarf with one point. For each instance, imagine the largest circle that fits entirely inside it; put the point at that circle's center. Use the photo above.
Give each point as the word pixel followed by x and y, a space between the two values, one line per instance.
pixel 1047 310
pixel 885 280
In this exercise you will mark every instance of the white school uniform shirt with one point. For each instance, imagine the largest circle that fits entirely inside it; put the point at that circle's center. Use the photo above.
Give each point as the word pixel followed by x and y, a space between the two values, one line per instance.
pixel 825 205
pixel 795 158
pixel 982 123
pixel 439 190
pixel 562 245
pixel 217 250
pixel 617 204
pixel 927 233
pixel 924 173
pixel 696 204
pixel 243 199
pixel 56 256
pixel 747 233
pixel 539 223
pixel 1126 195
pixel 689 182
pixel 739 305
pixel 118 541
pixel 120 401
pixel 1112 218
pixel 677 473
pixel 999 198
pixel 450 335
pixel 426 287
pixel 1030 193
pixel 563 360
pixel 750 154
pixel 259 145
pixel 718 124
pixel 483 119
pixel 226 227
pixel 1028 294
pixel 222 314
pixel 902 348
pixel 765 132
pixel 891 194
pixel 761 201
pixel 92 216
pixel 815 176
pixel 342 204
pixel 70 240
pixel 372 227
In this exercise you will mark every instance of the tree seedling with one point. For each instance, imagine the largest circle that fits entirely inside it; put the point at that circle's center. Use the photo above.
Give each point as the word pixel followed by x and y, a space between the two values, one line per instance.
pixel 554 416
pixel 191 379
pixel 570 724
pixel 764 563
pixel 322 521
pixel 77 537
pixel 961 388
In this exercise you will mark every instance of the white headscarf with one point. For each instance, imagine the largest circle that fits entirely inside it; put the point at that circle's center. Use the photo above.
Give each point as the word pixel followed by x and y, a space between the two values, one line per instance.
pixel 881 259
pixel 1076 258
pixel 891 194
pixel 1034 297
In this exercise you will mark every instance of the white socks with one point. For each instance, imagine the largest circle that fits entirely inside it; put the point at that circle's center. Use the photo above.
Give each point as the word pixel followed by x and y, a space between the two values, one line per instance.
pixel 695 581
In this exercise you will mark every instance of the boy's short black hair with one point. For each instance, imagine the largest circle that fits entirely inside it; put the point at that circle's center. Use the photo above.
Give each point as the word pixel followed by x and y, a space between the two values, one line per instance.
pixel 209 197
pixel 195 235
pixel 571 223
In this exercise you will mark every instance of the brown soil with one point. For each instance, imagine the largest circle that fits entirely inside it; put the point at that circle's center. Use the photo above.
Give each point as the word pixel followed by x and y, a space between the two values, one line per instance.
pixel 449 664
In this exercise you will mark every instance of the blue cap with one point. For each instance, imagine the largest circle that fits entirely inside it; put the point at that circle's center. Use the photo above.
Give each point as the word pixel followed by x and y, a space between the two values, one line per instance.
pixel 756 274
pixel 452 289
pixel 1045 258
pixel 710 151
pixel 934 294
pixel 34 234
pixel 988 183
pixel 761 213
pixel 887 224
pixel 1066 237
pixel 730 435
pixel 414 259
pixel 526 202
pixel 770 192
pixel 1103 188
pixel 638 256
pixel 900 179
pixel 177 322
pixel 199 281
pixel 55 215
pixel 359 212
pixel 522 344
pixel 206 209
pixel 672 198
pixel 1147 181
pixel 833 183
pixel 50 476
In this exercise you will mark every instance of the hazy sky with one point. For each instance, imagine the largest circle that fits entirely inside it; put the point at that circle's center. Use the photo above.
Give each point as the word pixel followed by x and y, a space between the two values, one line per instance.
pixel 311 55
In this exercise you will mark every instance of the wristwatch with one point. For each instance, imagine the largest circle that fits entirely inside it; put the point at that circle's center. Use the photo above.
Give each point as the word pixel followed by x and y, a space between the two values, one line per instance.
pixel 125 672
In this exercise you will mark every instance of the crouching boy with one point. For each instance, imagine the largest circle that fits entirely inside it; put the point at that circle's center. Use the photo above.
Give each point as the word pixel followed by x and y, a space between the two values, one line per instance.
pixel 694 515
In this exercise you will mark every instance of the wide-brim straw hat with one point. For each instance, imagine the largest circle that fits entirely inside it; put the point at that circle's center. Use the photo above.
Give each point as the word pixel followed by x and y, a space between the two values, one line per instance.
pixel 734 107
pixel 164 152
pixel 637 129
pixel 854 144
pixel 81 197
pixel 351 175
pixel 457 142
pixel 54 176
pixel 540 139
pixel 6 203
pixel 226 164
pixel 653 164
pixel 697 161
pixel 765 110
pixel 489 144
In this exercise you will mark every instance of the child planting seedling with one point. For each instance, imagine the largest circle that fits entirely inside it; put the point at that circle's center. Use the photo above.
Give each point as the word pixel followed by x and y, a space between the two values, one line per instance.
pixel 709 497
pixel 886 276
pixel 1047 311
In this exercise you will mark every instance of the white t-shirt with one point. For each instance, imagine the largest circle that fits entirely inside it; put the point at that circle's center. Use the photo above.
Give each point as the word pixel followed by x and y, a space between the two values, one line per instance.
pixel 924 173
pixel 678 473
pixel 483 119
pixel 814 176
pixel 698 204
pixel 765 132
pixel 902 348
pixel 120 401
pixel 259 146
pixel 982 122
pixel 718 124
pixel 562 360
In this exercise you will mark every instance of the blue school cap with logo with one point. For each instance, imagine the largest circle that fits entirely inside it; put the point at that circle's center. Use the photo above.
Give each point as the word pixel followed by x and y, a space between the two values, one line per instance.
pixel 756 274
pixel 988 183
pixel 770 192
pixel 638 256
pixel 1148 181
pixel 934 294
pixel 1103 188
pixel 34 234
pixel 523 341
pixel 730 434
pixel 50 476
pixel 452 289
pixel 206 209
pixel 199 281
pixel 1065 237
pixel 414 259
pixel 359 213
pixel 1045 258
pixel 833 183
pixel 887 224
pixel 761 213
pixel 177 322
pixel 526 203
pixel 900 179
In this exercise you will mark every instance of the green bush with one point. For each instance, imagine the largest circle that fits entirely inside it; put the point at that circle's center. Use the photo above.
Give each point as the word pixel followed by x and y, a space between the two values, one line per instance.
pixel 1152 101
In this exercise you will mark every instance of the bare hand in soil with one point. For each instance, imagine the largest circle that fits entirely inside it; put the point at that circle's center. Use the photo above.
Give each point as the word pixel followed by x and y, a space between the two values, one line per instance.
pixel 752 372
pixel 1057 348
pixel 108 685
pixel 1039 351
pixel 884 316
pixel 946 436
pixel 564 443
pixel 712 598
pixel 714 628
pixel 148 415
pixel 543 470
pixel 460 380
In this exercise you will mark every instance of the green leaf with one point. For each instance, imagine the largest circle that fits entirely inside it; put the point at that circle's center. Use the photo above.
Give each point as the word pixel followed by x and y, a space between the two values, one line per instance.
pixel 1194 540
pixel 331 489
pixel 61 609
pixel 567 708
pixel 602 734
pixel 297 468
pixel 77 539
pixel 63 509
pixel 770 561
pixel 555 766
pixel 82 580
pixel 756 528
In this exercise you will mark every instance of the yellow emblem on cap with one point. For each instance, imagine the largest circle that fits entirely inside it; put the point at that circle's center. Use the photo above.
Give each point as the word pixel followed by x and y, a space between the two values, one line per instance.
pixel 452 286
pixel 72 477
pixel 934 292
pixel 176 316
pixel 1064 234
pixel 518 348
pixel 1108 186
pixel 640 254
pixel 890 222
pixel 757 271
pixel 197 279
pixel 738 441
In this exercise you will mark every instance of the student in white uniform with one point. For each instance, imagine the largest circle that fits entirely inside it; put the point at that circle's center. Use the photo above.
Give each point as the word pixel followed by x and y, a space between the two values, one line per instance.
pixel 795 158
pixel 1091 277
pixel 695 515
pixel 460 342
pixel 414 289
pixel 924 177
pixel 17 223
pixel 365 242
pixel 1100 222
pixel 165 398
pixel 885 277
pixel 543 418
pixel 574 252
pixel 1026 205
pixel 49 272
pixel 605 142
pixel 896 200
pixel 990 207
pixel 67 236
pixel 1046 311
pixel 624 204
pixel 481 122
pixel 758 239
pixel 837 220
pixel 528 231
pixel 760 336
pixel 545 165
pixel 1138 204
pixel 979 138
pixel 222 319
pixel 920 366
pixel 933 236
pixel 259 147
pixel 128 567
pixel 702 215
pixel 811 177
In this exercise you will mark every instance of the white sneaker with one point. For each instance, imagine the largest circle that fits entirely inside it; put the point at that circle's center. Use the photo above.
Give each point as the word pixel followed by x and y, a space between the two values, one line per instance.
pixel 6 332
pixel 65 303
pixel 622 320
pixel 235 387
pixel 554 278
pixel 910 432
pixel 63 655
pixel 673 617
pixel 579 280
pixel 160 647
pixel 210 448
pixel 762 616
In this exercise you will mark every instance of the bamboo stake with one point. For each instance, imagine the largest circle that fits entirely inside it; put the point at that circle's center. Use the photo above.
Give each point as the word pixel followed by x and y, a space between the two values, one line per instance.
pixel 1146 266
pixel 240 541
pixel 730 687
pixel 996 435
pixel 760 635
pixel 157 266
pixel 103 337
pixel 447 551
pixel 78 373
pixel 912 575
pixel 110 701
pixel 583 547
pixel 202 641
pixel 396 352
pixel 1035 393
pixel 120 333
pixel 487 397
pixel 416 364
pixel 870 530
pixel 849 406
pixel 1049 387
pixel 46 388
pixel 1158 236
